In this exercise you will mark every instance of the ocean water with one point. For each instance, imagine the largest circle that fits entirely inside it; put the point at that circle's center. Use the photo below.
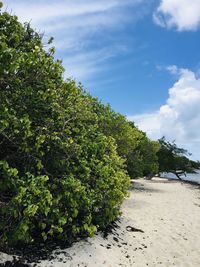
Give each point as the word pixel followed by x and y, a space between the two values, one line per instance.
pixel 195 177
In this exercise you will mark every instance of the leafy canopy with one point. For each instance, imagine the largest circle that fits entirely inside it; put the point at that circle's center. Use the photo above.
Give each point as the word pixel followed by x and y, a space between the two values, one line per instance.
pixel 65 158
pixel 133 145
pixel 60 176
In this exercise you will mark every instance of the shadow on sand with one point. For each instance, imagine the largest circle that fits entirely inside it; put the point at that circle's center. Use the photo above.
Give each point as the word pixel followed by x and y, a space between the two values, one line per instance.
pixel 137 186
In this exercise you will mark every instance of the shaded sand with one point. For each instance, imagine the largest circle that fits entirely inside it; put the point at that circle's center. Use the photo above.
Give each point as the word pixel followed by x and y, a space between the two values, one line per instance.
pixel 160 226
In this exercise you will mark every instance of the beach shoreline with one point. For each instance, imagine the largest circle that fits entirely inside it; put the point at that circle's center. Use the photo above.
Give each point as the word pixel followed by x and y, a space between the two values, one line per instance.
pixel 160 226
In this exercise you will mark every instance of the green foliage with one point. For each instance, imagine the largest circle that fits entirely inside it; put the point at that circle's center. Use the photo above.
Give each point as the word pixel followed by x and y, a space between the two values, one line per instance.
pixel 133 145
pixel 172 158
pixel 143 161
pixel 60 176
pixel 64 156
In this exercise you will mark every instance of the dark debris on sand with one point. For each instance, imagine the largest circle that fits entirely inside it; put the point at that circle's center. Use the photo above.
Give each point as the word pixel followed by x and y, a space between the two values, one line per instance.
pixel 15 263
pixel 33 253
pixel 110 229
pixel 133 229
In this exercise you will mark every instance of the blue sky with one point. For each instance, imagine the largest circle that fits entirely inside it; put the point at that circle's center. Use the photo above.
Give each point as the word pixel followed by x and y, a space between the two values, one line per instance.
pixel 141 56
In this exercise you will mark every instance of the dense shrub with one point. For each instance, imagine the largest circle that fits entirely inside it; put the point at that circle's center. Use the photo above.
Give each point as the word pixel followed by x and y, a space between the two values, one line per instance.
pixel 133 145
pixel 60 176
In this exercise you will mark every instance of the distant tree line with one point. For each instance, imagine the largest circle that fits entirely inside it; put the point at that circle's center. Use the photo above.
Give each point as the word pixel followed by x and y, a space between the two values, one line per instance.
pixel 173 158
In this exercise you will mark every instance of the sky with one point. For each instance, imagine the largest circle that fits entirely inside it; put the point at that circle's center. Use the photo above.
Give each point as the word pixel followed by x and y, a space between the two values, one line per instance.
pixel 140 56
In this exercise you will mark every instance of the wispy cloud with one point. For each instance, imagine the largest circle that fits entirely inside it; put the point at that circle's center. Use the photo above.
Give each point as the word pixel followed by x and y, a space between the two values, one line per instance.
pixel 88 63
pixel 179 117
pixel 87 29
pixel 48 10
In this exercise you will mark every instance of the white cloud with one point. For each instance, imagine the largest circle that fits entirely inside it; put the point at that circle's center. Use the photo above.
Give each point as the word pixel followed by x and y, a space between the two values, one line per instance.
pixel 80 28
pixel 179 117
pixel 184 15
pixel 173 69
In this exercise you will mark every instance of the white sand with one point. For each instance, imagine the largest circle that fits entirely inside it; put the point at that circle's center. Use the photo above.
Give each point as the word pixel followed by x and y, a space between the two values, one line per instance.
pixel 169 214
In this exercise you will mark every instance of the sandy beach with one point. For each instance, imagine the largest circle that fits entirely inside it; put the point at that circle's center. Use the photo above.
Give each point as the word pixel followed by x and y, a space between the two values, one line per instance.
pixel 160 226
